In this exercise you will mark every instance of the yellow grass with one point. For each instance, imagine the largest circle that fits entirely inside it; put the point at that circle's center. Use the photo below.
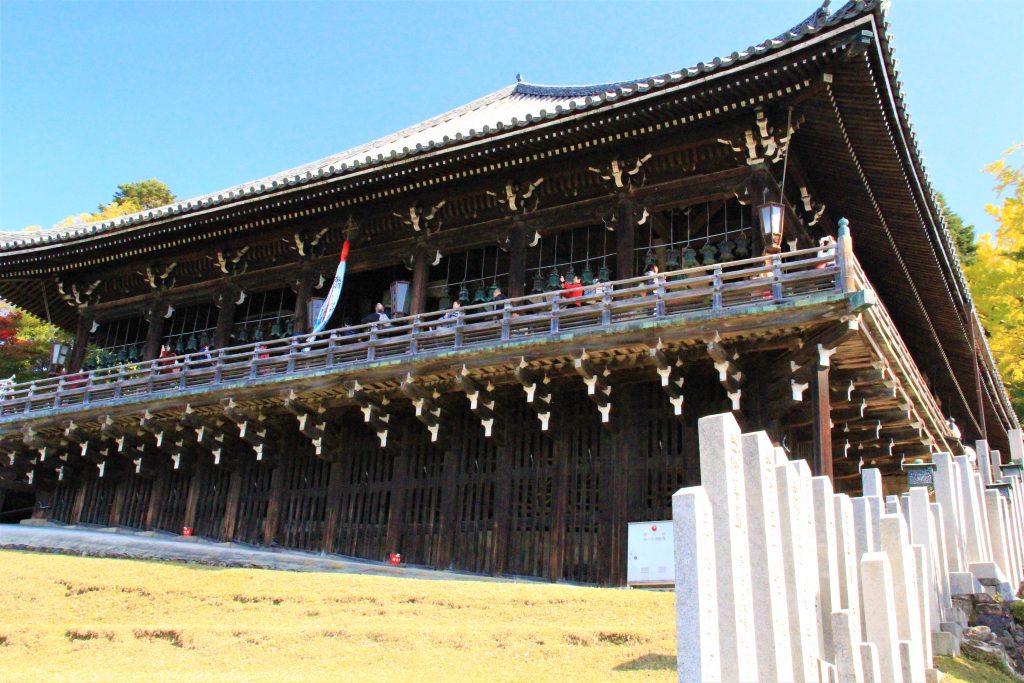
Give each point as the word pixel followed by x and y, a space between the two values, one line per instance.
pixel 82 619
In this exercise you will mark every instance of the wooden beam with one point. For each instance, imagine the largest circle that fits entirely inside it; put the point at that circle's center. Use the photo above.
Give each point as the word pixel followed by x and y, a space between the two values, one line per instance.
pixel 821 410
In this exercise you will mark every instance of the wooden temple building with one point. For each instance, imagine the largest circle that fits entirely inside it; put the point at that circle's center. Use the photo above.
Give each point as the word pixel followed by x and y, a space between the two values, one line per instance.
pixel 520 435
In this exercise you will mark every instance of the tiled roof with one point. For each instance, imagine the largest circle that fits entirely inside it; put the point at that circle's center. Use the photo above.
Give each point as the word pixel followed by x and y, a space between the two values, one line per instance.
pixel 513 107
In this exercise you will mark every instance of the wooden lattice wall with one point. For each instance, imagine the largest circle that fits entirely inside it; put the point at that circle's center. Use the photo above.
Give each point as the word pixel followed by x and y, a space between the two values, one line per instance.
pixel 524 502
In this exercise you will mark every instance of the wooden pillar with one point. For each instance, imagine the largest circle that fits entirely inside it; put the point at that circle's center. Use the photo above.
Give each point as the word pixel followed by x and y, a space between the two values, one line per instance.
pixel 559 504
pixel 625 238
pixel 300 321
pixel 231 505
pixel 117 506
pixel 225 300
pixel 517 262
pixel 156 498
pixel 195 489
pixel 76 508
pixel 77 358
pixel 420 278
pixel 449 509
pixel 335 484
pixel 502 501
pixel 396 506
pixel 274 497
pixel 614 505
pixel 821 408
pixel 156 330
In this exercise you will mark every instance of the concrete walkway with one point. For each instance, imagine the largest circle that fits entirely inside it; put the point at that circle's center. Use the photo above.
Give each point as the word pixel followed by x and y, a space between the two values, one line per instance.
pixel 119 542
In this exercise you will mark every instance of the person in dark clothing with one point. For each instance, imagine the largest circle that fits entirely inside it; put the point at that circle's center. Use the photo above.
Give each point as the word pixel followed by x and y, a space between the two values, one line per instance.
pixel 498 303
pixel 377 316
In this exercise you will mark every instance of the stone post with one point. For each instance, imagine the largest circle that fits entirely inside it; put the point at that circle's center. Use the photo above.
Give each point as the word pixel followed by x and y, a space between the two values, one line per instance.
pixel 721 469
pixel 947 495
pixel 698 656
pixel 767 572
pixel 880 615
pixel 797 554
pixel 904 581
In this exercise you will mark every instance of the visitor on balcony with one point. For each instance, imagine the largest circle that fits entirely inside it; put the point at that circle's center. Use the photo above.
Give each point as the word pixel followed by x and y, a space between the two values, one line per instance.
pixel 498 300
pixel 573 290
pixel 166 361
pixel 451 316
pixel 378 316
pixel 827 250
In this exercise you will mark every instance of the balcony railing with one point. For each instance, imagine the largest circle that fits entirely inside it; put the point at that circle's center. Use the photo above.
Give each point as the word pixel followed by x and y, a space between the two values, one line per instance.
pixel 720 287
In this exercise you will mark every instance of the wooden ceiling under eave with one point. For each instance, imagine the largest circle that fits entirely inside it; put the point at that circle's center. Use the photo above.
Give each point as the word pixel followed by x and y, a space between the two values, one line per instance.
pixel 857 168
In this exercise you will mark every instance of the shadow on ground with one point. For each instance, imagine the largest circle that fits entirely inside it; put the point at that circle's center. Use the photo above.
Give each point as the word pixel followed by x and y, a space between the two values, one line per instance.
pixel 651 662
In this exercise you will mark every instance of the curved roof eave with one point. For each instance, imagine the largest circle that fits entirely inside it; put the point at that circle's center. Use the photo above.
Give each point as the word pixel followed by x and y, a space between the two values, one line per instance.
pixel 509 109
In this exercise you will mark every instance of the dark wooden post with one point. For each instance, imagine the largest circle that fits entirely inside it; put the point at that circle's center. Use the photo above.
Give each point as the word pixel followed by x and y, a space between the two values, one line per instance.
pixel 76 508
pixel 396 507
pixel 300 321
pixel 77 358
pixel 335 484
pixel 821 408
pixel 502 500
pixel 117 506
pixel 614 475
pixel 156 497
pixel 559 508
pixel 225 300
pixel 420 277
pixel 449 509
pixel 517 262
pixel 231 505
pixel 274 497
pixel 156 330
pixel 625 238
pixel 195 489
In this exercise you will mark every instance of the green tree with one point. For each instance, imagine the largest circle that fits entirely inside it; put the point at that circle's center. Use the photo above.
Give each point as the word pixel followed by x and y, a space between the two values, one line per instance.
pixel 963 235
pixel 25 343
pixel 997 278
pixel 146 194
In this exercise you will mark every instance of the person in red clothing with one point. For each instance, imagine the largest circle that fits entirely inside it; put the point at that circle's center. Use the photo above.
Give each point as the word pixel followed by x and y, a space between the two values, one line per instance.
pixel 573 290
pixel 164 360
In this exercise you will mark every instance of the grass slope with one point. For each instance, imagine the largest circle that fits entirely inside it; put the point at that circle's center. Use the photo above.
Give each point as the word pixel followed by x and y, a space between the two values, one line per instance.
pixel 83 619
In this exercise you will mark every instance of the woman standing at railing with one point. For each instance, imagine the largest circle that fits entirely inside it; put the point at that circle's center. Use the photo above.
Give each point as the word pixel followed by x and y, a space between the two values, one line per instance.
pixel 166 360
pixel 573 290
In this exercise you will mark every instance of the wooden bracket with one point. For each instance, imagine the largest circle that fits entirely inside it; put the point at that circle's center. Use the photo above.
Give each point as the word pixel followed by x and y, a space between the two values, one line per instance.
pixel 538 391
pixel 375 413
pixel 481 398
pixel 729 373
pixel 670 369
pixel 424 402
pixel 312 423
pixel 253 430
pixel 596 380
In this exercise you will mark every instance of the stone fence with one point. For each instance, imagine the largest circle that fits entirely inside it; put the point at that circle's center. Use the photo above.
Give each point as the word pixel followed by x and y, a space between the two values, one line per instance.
pixel 780 579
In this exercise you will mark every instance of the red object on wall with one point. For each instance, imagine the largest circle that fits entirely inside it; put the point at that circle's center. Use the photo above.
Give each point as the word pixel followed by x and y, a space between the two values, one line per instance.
pixel 186 531
pixel 395 559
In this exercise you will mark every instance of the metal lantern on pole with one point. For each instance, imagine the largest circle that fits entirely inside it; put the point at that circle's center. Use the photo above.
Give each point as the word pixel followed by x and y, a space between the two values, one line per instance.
pixel 59 355
pixel 771 215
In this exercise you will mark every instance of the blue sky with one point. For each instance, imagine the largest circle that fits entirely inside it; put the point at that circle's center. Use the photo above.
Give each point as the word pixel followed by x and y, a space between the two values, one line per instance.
pixel 205 95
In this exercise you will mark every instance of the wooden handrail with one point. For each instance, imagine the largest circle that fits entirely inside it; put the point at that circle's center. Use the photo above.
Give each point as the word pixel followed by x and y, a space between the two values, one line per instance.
pixel 713 287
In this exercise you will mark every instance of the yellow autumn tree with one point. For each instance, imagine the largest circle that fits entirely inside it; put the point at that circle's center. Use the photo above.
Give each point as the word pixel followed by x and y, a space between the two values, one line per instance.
pixel 997 276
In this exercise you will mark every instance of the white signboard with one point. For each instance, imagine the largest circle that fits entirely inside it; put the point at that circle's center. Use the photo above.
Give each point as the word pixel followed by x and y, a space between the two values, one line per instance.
pixel 651 559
